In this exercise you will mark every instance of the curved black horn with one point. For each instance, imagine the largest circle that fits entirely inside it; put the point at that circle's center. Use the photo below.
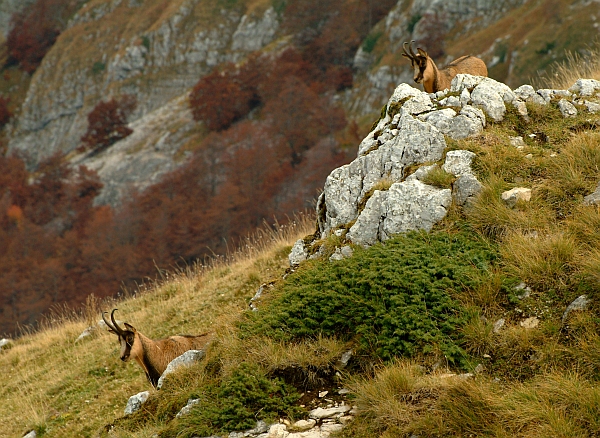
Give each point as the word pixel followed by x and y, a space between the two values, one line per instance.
pixel 412 52
pixel 408 55
pixel 112 318
pixel 108 324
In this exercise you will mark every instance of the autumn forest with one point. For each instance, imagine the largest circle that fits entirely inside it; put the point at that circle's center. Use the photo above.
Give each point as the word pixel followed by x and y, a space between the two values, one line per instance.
pixel 274 131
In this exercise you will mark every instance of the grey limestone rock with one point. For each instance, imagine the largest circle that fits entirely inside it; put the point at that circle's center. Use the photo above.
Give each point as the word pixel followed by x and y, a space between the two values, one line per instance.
pixel 510 197
pixel 524 92
pixel 592 107
pixel 465 188
pixel 298 253
pixel 342 253
pixel 251 35
pixel 409 205
pixel 88 332
pixel 320 413
pixel 186 359
pixel 585 87
pixel 567 109
pixel 188 407
pixel 489 99
pixel 416 142
pixel 593 198
pixel 5 344
pixel 580 303
pixel 135 402
pixel 458 162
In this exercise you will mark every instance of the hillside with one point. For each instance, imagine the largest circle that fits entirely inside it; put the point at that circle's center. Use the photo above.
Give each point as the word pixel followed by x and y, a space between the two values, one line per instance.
pixel 483 326
pixel 115 165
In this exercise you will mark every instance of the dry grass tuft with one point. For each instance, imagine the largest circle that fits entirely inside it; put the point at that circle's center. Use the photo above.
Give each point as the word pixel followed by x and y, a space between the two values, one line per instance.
pixel 576 66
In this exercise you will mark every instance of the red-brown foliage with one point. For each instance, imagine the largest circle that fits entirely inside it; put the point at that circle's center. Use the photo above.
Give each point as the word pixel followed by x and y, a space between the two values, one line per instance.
pixel 34 30
pixel 5 112
pixel 58 247
pixel 222 97
pixel 107 123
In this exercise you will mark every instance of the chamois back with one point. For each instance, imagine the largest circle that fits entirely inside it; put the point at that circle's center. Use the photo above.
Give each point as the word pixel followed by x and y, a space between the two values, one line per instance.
pixel 434 79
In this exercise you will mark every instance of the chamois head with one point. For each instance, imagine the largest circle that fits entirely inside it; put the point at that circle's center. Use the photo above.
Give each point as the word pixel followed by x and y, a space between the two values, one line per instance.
pixel 417 60
pixel 127 337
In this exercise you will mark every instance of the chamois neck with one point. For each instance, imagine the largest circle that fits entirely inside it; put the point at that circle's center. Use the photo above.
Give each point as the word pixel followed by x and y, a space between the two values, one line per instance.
pixel 431 81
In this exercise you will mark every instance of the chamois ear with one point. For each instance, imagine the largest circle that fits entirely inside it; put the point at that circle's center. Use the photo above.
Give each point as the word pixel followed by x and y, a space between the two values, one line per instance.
pixel 422 52
pixel 130 327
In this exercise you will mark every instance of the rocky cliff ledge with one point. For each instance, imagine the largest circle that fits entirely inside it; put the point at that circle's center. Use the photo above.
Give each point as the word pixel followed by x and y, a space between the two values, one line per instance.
pixel 393 186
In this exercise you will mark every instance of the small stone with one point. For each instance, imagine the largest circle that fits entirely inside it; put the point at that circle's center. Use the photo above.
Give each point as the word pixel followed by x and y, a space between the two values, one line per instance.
pixel 585 87
pixel 187 408
pixel 5 344
pixel 593 198
pixel 302 425
pixel 498 325
pixel 517 142
pixel 298 253
pixel 30 434
pixel 323 394
pixel 186 359
pixel 530 323
pixel 592 107
pixel 479 369
pixel 523 291
pixel 135 402
pixel 343 391
pixel 278 431
pixel 580 303
pixel 566 108
pixel 86 333
pixel 345 358
pixel 320 413
pixel 511 197
pixel 331 428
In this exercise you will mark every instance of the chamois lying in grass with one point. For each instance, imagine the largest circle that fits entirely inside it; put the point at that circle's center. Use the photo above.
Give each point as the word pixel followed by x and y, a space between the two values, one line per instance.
pixel 434 79
pixel 153 355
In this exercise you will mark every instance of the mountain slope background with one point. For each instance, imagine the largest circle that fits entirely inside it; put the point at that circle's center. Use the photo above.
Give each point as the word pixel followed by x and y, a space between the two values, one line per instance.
pixel 310 78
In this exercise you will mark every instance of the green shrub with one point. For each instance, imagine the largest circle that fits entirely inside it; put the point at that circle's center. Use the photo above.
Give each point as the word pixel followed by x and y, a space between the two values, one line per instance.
pixel 236 403
pixel 394 299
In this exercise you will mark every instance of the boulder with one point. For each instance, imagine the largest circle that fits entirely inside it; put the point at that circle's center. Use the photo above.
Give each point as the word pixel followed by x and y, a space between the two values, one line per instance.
pixel 186 359
pixel 135 402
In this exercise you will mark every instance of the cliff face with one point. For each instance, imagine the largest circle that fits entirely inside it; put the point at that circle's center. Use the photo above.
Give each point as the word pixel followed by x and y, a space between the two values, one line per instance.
pixel 110 48
pixel 158 50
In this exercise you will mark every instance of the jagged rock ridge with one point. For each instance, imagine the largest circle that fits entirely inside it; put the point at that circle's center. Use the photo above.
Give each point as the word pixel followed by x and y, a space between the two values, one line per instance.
pixel 375 197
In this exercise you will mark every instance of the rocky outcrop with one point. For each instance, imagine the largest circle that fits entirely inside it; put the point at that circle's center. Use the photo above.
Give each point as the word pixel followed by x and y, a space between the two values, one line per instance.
pixel 388 189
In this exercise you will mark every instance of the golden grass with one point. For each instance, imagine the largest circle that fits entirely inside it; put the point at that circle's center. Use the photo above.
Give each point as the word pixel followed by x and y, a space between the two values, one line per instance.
pixel 576 66
pixel 65 389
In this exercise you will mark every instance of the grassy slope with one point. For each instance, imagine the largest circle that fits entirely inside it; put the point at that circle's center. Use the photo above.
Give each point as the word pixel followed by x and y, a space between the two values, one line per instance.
pixel 535 382
pixel 67 389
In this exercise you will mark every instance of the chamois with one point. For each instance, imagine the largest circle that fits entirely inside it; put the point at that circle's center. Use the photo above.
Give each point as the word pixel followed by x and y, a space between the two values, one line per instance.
pixel 153 355
pixel 435 79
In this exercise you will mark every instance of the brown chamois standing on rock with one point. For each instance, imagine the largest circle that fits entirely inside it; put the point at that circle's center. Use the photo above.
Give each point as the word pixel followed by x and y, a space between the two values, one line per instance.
pixel 153 356
pixel 434 79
